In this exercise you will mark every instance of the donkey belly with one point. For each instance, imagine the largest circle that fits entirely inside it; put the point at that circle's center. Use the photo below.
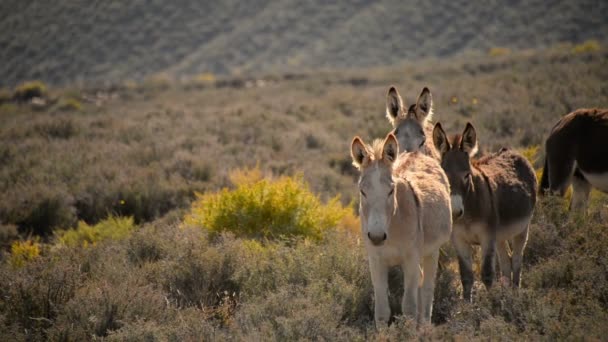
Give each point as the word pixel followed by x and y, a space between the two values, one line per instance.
pixel 508 231
pixel 597 180
pixel 472 233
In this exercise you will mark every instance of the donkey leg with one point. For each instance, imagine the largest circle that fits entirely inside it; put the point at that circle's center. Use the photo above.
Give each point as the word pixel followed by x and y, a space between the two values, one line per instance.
pixel 488 251
pixel 382 309
pixel 465 265
pixel 429 264
pixel 561 167
pixel 519 244
pixel 504 260
pixel 580 192
pixel 411 283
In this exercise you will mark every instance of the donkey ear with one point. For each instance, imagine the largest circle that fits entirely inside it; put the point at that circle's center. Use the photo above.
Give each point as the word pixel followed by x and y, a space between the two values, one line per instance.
pixel 358 152
pixel 469 140
pixel 424 105
pixel 394 105
pixel 440 139
pixel 390 150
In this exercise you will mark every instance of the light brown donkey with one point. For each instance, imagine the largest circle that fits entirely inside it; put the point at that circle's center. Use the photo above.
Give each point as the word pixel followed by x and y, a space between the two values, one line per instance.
pixel 405 218
pixel 577 152
pixel 413 127
pixel 492 203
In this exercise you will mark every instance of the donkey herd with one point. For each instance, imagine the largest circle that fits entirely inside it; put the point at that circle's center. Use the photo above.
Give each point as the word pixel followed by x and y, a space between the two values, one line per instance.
pixel 420 188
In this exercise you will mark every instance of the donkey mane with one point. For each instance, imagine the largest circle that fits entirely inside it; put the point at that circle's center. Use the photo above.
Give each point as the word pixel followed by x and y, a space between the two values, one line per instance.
pixel 375 149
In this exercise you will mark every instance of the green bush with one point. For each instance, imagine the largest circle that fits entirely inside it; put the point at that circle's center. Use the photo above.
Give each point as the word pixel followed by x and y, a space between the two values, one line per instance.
pixel 70 104
pixel 28 90
pixel 23 252
pixel 591 45
pixel 267 208
pixel 112 228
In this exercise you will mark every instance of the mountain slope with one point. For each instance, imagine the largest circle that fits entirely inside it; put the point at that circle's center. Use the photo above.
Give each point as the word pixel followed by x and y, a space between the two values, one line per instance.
pixel 70 41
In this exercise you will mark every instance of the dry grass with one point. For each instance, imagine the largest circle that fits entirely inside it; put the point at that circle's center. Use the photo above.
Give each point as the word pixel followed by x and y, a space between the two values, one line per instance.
pixel 142 150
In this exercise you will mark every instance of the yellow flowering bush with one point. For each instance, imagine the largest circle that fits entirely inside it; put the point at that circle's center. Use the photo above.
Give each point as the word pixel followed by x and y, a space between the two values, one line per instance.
pixel 268 208
pixel 112 228
pixel 23 252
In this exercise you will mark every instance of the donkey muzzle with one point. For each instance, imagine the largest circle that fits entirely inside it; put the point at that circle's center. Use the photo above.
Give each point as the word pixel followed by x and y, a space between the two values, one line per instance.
pixel 376 239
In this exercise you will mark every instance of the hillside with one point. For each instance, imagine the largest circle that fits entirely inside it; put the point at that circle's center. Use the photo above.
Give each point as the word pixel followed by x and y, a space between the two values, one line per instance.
pixel 115 40
pixel 103 237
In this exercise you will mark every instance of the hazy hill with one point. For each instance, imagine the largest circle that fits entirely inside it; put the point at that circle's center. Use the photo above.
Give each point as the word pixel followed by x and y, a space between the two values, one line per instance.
pixel 61 42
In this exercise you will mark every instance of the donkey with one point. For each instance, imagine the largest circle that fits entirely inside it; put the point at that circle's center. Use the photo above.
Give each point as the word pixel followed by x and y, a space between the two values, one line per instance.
pixel 405 218
pixel 413 128
pixel 577 152
pixel 492 202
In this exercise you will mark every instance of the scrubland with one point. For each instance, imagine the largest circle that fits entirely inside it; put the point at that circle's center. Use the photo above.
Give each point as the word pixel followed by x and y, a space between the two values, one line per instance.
pixel 122 205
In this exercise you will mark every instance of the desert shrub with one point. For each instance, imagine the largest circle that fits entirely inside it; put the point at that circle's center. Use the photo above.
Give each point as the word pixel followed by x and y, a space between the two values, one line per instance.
pixel 338 262
pixel 158 82
pixel 531 154
pixel 146 246
pixel 293 313
pixel 189 324
pixel 591 45
pixel 446 294
pixel 192 272
pixel 23 252
pixel 201 81
pixel 5 95
pixel 28 90
pixel 112 228
pixel 38 210
pixel 267 208
pixel 57 128
pixel 498 51
pixel 69 104
pixel 8 233
pixel 8 108
pixel 34 295
pixel 104 306
pixel 544 242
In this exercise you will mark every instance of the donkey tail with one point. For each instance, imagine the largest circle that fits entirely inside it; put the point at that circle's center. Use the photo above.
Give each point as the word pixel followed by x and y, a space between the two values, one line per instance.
pixel 544 180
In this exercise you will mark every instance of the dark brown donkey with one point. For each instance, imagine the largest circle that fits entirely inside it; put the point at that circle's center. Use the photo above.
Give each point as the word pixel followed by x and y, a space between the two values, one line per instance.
pixel 492 203
pixel 577 153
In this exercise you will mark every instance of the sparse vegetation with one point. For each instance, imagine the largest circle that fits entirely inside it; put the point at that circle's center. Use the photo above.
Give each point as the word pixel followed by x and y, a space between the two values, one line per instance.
pixel 170 281
pixel 174 271
pixel 28 90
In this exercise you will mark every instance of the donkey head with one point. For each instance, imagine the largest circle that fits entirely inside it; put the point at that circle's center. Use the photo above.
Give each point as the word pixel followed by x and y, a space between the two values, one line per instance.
pixel 409 126
pixel 376 186
pixel 455 161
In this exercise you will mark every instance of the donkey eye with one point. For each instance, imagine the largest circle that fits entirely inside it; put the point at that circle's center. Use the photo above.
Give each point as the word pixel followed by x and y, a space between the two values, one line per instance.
pixel 363 193
pixel 391 192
